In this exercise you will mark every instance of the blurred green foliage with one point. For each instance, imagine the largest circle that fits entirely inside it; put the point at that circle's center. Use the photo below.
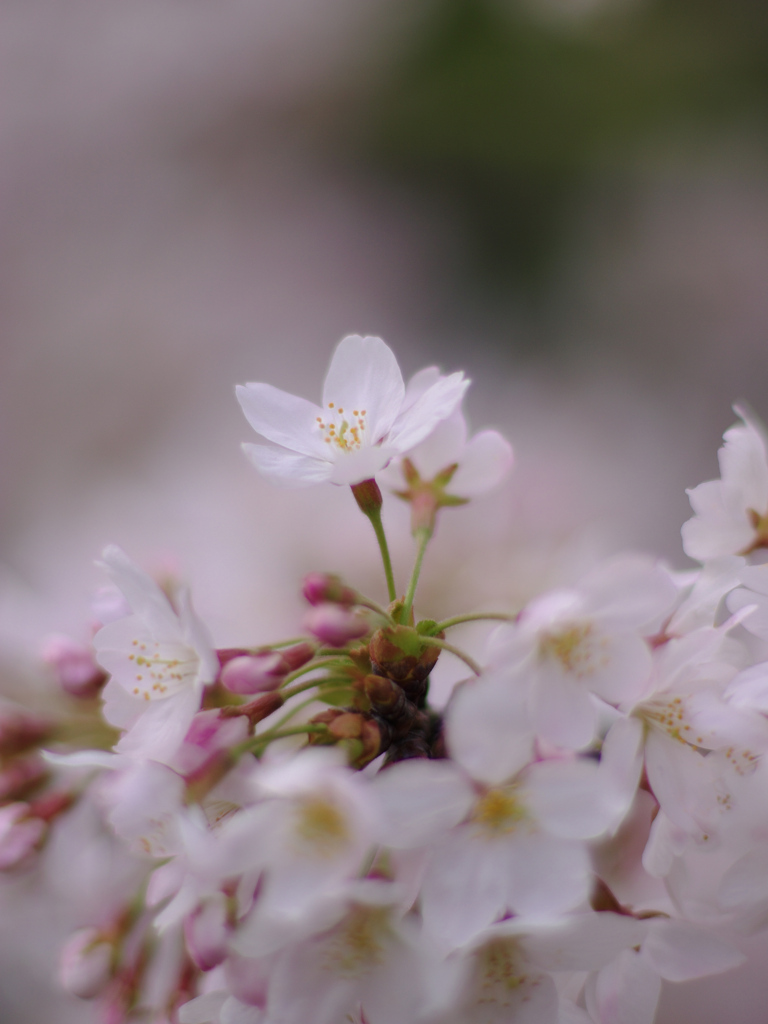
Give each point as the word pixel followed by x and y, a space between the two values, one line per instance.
pixel 509 111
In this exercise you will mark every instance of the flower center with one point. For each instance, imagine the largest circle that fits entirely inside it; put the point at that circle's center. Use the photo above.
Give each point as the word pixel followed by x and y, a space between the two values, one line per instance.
pixel 575 648
pixel 499 811
pixel 359 942
pixel 161 671
pixel 343 430
pixel 501 972
pixel 321 826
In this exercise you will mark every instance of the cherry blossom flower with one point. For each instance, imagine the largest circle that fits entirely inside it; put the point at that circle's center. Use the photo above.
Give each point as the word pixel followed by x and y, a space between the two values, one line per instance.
pixel 731 514
pixel 159 661
pixel 571 646
pixel 364 420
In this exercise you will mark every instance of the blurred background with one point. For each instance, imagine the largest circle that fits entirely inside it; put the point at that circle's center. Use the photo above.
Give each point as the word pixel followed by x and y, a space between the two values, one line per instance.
pixel 566 198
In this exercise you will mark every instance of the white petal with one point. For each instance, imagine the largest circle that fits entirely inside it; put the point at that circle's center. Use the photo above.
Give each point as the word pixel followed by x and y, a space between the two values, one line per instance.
pixel 286 419
pixel 625 992
pixel 743 463
pixel 546 877
pixel 288 468
pixel 562 711
pixel 583 942
pixel 354 467
pixel 444 446
pixel 203 1009
pixel 160 730
pixel 629 592
pixel 484 463
pixel 720 526
pixel 421 800
pixel 680 951
pixel 487 727
pixel 745 883
pixel 146 599
pixel 434 405
pixel 364 375
pixel 569 798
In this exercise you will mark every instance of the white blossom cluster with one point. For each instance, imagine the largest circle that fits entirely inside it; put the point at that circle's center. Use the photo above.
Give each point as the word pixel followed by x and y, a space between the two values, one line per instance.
pixel 310 842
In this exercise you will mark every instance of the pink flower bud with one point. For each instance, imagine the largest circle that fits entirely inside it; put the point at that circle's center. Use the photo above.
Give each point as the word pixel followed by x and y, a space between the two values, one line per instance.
pixel 22 776
pixel 19 731
pixel 20 835
pixel 320 586
pixel 256 673
pixel 75 666
pixel 206 932
pixel 335 624
pixel 85 963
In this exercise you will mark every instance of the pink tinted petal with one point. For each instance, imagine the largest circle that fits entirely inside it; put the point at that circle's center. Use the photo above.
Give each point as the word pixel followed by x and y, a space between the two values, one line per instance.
pixel 562 710
pixel 743 462
pixel 745 883
pixel 487 727
pixel 484 463
pixel 146 599
pixel 203 1009
pixel 622 666
pixel 434 405
pixel 720 526
pixel 418 384
pixel 629 592
pixel 354 467
pixel 568 798
pixel 364 375
pixel 421 800
pixel 583 942
pixel 625 992
pixel 283 418
pixel 287 468
pixel 545 876
pixel 679 951
pixel 443 447
pixel 463 889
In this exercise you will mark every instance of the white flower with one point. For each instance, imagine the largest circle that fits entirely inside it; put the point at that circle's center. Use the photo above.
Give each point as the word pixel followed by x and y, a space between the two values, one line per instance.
pixel 731 514
pixel 478 464
pixel 570 646
pixel 365 419
pixel 159 662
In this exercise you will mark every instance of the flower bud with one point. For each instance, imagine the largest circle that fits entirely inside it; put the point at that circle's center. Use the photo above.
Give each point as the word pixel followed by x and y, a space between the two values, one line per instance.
pixel 400 653
pixel 319 587
pixel 256 710
pixel 20 730
pixel 206 931
pixel 334 624
pixel 85 963
pixel 256 673
pixel 20 835
pixel 75 666
pixel 21 777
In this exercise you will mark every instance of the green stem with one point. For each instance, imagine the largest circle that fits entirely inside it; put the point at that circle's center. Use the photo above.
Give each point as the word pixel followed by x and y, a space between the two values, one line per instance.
pixel 287 694
pixel 369 501
pixel 303 704
pixel 423 535
pixel 316 663
pixel 455 651
pixel 381 537
pixel 273 734
pixel 473 617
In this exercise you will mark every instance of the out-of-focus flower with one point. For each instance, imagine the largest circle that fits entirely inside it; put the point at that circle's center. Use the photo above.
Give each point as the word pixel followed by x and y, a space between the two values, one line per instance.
pixel 159 662
pixel 731 514
pixel 572 644
pixel 85 963
pixel 75 666
pixel 364 420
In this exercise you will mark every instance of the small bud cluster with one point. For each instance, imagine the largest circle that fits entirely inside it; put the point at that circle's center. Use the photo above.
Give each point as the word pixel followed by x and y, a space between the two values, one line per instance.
pixel 309 839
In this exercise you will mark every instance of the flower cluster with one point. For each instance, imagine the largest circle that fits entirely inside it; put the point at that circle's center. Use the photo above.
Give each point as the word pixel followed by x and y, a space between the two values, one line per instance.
pixel 307 838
